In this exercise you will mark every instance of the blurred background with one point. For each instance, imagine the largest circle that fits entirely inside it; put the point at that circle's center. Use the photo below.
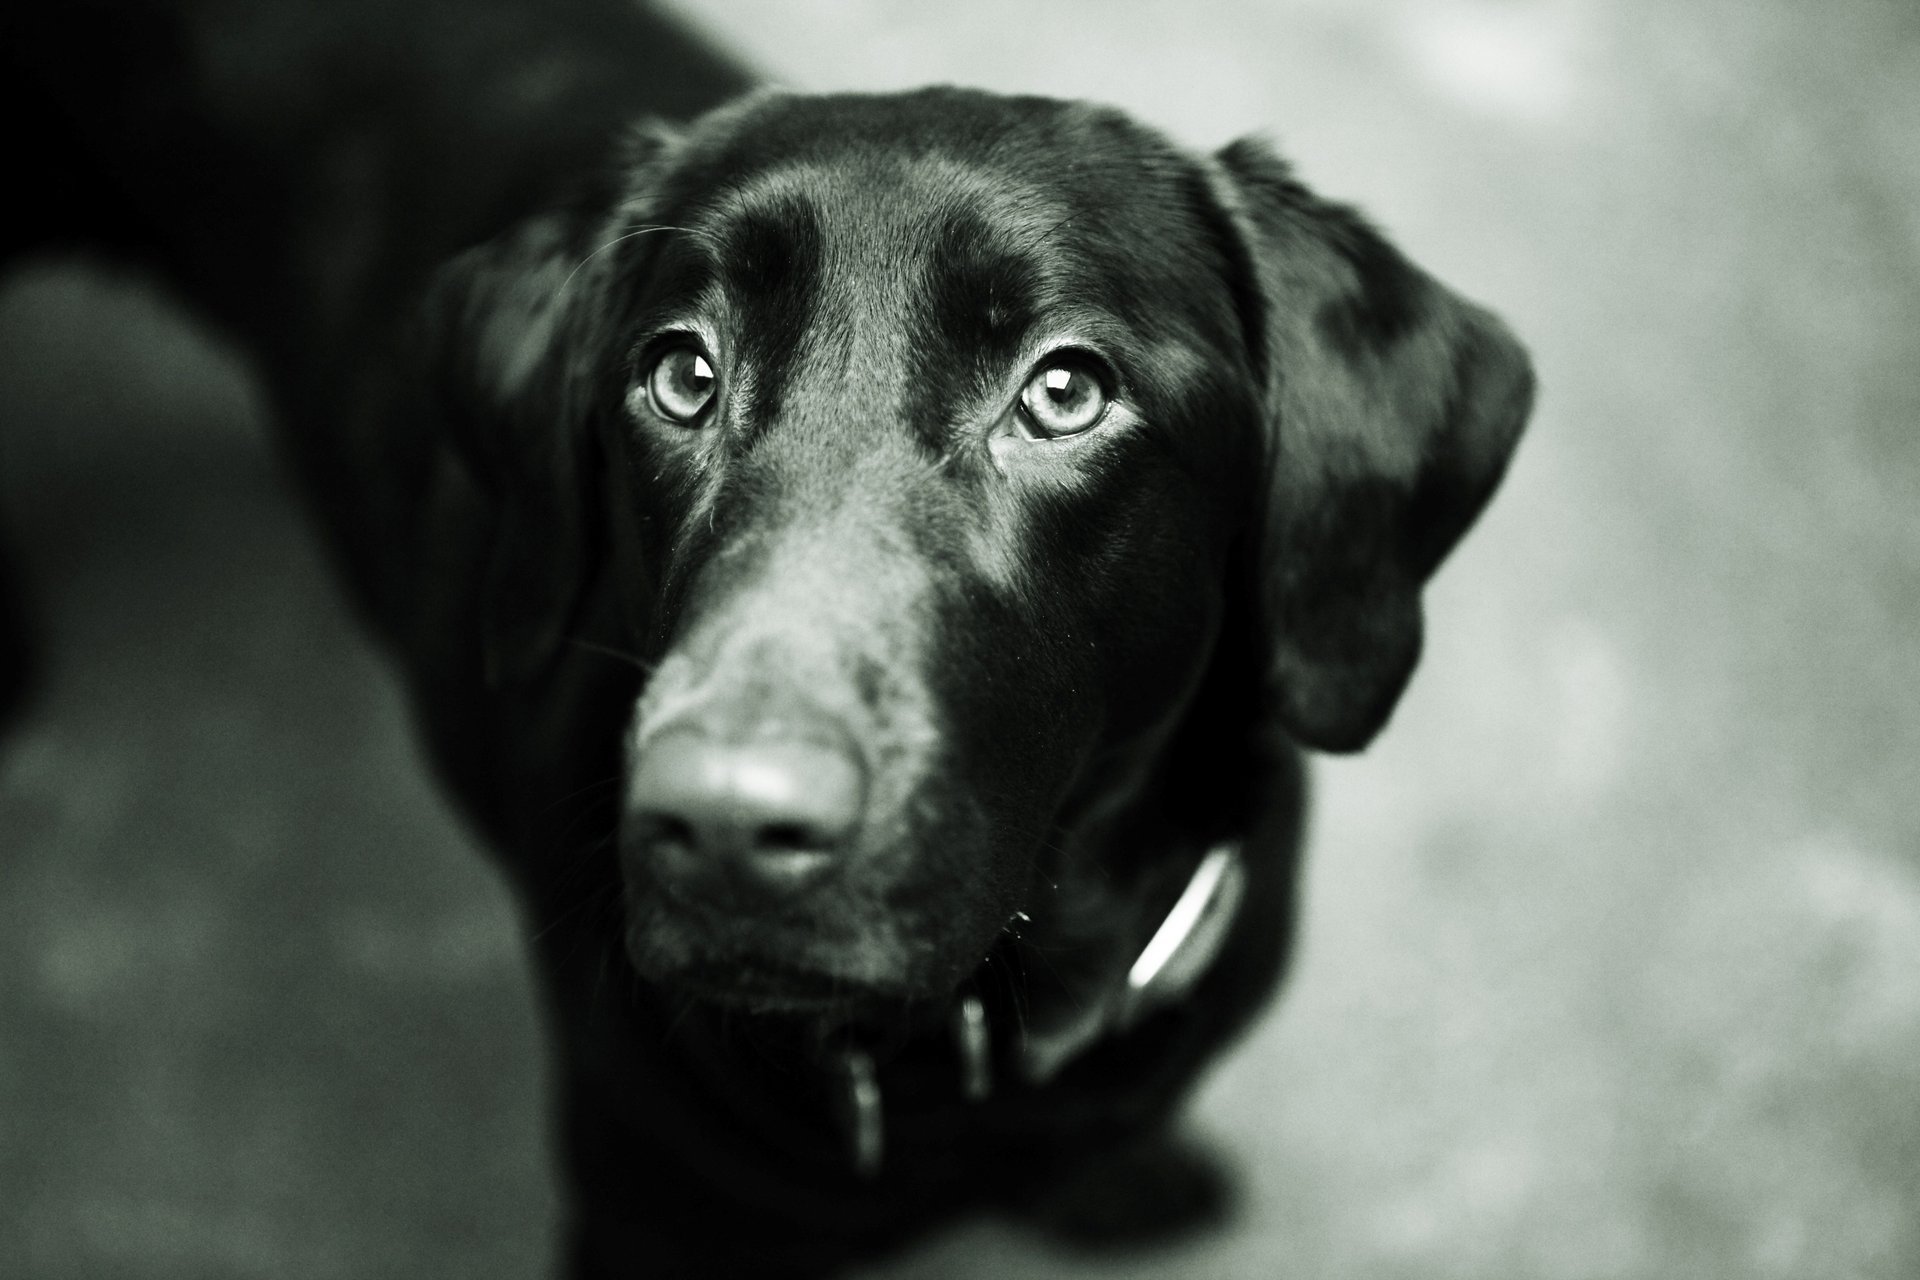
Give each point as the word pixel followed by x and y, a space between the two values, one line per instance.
pixel 1610 963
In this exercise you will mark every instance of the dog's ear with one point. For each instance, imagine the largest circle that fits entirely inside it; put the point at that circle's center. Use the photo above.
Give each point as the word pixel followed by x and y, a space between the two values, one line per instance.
pixel 1391 406
pixel 522 332
pixel 502 326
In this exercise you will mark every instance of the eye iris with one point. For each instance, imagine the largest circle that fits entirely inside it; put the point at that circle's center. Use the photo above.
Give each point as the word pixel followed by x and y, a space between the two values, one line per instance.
pixel 1063 400
pixel 681 384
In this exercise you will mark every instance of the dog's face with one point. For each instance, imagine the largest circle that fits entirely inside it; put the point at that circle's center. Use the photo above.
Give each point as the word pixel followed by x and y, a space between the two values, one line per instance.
pixel 933 444
pixel 933 438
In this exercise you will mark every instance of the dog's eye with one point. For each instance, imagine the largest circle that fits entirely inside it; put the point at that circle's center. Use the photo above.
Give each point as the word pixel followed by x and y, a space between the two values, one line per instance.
pixel 1063 399
pixel 680 385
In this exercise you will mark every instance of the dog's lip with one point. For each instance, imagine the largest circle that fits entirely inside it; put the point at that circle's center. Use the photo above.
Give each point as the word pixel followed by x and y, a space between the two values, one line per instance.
pixel 832 970
pixel 777 986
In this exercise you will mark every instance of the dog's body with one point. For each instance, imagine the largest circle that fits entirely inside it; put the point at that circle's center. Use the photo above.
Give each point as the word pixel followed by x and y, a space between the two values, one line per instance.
pixel 854 557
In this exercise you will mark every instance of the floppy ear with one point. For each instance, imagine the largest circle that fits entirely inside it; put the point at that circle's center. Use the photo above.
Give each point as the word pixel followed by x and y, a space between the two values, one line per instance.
pixel 1391 407
pixel 501 326
pixel 522 331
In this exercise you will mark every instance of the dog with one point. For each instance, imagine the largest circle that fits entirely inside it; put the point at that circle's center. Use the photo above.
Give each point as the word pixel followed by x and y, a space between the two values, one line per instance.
pixel 868 565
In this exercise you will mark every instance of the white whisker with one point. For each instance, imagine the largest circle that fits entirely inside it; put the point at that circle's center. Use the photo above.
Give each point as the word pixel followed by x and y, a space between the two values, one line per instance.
pixel 628 235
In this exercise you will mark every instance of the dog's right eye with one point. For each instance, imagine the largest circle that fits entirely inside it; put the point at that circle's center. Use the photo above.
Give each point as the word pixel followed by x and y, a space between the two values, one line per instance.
pixel 1064 398
pixel 680 384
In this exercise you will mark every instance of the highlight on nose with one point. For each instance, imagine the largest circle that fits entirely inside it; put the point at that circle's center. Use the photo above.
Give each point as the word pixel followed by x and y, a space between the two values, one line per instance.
pixel 740 825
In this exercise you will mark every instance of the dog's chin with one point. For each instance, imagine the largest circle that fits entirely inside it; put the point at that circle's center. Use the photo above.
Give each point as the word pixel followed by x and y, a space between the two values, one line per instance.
pixel 787 993
pixel 869 981
pixel 831 963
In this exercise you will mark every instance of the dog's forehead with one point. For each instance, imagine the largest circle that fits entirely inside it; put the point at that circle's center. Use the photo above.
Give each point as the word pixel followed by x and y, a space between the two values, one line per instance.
pixel 891 222
pixel 1098 151
pixel 891 204
pixel 954 193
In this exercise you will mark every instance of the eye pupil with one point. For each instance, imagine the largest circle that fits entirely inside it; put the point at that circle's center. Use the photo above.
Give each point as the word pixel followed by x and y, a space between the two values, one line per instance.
pixel 696 374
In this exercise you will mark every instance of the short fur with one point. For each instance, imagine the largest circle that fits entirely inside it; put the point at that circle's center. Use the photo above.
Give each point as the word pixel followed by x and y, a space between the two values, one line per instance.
pixel 453 238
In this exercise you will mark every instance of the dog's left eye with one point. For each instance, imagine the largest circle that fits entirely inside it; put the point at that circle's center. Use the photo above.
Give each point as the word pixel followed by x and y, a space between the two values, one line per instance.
pixel 680 384
pixel 1063 399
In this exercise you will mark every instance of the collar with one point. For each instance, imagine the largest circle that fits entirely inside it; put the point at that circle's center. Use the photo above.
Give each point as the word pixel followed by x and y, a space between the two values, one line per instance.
pixel 1179 953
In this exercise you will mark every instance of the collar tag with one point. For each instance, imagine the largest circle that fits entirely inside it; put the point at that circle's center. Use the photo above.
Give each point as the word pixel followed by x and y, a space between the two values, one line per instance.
pixel 866 1137
pixel 1189 939
pixel 1181 950
pixel 974 1041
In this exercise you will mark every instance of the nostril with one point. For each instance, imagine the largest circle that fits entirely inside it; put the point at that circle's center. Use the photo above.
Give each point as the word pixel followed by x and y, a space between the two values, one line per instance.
pixel 670 842
pixel 732 822
pixel 780 837
pixel 664 828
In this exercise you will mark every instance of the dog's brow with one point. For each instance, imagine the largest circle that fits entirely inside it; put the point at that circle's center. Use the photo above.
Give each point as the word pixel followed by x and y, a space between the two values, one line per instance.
pixel 767 245
pixel 770 262
pixel 703 237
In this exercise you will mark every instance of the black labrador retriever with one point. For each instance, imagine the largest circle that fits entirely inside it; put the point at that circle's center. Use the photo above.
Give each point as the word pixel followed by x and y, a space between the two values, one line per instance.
pixel 868 563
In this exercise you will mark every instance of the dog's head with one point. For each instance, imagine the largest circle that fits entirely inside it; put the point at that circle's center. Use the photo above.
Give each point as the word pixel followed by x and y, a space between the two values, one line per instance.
pixel 937 446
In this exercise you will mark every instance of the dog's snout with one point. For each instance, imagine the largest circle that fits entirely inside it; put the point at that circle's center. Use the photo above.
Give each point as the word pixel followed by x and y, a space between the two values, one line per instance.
pixel 743 824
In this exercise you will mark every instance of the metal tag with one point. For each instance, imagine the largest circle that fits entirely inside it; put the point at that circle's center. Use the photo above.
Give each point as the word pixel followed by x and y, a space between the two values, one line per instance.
pixel 973 1039
pixel 1189 939
pixel 865 1132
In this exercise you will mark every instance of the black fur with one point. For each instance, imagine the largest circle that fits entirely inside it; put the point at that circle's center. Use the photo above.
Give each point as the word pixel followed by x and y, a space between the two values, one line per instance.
pixel 1069 667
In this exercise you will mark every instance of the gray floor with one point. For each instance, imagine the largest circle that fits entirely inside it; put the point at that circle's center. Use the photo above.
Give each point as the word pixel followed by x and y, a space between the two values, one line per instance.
pixel 1612 949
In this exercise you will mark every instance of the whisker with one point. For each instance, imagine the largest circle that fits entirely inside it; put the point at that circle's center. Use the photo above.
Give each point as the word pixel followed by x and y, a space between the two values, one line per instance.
pixel 590 904
pixel 1048 233
pixel 637 231
pixel 600 976
pixel 589 788
pixel 1004 963
pixel 631 659
pixel 559 919
pixel 678 1018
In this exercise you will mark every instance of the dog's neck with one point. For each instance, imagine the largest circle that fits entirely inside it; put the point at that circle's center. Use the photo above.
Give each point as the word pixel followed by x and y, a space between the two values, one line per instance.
pixel 1050 1030
pixel 1176 953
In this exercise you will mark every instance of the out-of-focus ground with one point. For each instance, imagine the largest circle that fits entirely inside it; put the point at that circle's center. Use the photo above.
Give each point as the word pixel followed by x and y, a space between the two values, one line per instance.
pixel 1611 954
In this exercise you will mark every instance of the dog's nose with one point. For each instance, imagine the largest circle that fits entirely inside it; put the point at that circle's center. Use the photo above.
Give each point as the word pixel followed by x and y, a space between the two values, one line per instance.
pixel 743 824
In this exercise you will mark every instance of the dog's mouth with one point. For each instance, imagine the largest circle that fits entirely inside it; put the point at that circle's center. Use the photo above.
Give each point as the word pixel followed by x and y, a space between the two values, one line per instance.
pixel 758 985
pixel 862 965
